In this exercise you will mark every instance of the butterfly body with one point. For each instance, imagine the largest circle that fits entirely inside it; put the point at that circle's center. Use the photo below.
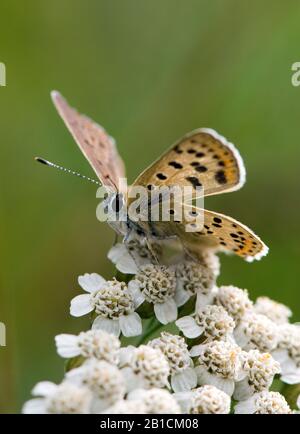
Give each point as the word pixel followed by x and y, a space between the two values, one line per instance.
pixel 202 161
pixel 127 227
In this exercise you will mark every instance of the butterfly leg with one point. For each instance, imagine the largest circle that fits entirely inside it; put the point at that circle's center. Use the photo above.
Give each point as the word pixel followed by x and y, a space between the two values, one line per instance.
pixel 115 239
pixel 151 250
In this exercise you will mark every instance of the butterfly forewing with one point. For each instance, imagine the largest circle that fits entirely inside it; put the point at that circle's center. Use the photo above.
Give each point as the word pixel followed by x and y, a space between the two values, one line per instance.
pixel 202 159
pixel 97 146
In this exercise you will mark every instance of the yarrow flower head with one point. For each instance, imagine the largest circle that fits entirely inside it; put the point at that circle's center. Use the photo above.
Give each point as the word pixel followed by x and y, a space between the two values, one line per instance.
pixel 196 279
pixel 156 401
pixel 287 352
pixel 204 400
pixel 219 364
pixel 256 331
pixel 174 348
pixel 112 302
pixel 104 380
pixel 65 398
pixel 144 367
pixel 264 403
pixel 156 284
pixel 235 300
pixel 277 312
pixel 260 369
pixel 92 343
pixel 213 322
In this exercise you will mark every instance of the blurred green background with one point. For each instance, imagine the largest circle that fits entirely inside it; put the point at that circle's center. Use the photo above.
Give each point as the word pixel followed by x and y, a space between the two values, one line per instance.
pixel 149 71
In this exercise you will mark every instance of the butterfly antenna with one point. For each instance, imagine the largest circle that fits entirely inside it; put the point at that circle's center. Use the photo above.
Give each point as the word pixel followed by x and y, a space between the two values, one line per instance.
pixel 64 169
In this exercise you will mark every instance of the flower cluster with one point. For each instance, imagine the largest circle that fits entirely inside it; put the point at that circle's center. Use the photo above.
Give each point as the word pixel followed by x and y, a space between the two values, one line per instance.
pixel 219 354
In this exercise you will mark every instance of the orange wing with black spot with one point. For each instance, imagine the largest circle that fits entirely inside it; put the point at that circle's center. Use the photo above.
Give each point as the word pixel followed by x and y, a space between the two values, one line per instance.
pixel 217 231
pixel 202 158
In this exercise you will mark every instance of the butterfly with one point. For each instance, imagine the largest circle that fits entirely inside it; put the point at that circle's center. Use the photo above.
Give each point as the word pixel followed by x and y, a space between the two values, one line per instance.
pixel 202 158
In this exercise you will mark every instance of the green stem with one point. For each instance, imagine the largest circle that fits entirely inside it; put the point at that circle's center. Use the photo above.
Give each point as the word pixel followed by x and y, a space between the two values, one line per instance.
pixel 291 393
pixel 154 325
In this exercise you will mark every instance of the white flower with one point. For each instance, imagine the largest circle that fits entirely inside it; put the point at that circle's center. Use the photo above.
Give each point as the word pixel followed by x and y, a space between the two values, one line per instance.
pixel 235 300
pixel 277 312
pixel 129 257
pixel 196 279
pixel 256 331
pixel 213 322
pixel 263 403
pixel 156 401
pixel 123 406
pixel 93 343
pixel 65 398
pixel 288 353
pixel 174 348
pixel 144 367
pixel 156 284
pixel 103 379
pixel 112 302
pixel 260 369
pixel 220 365
pixel 204 400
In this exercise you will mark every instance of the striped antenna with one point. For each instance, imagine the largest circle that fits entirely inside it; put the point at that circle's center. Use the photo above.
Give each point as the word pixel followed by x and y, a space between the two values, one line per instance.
pixel 63 169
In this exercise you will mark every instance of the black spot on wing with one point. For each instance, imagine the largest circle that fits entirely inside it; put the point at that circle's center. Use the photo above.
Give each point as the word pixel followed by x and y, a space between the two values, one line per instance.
pixel 220 177
pixel 201 169
pixel 161 176
pixel 194 181
pixel 217 220
pixel 175 165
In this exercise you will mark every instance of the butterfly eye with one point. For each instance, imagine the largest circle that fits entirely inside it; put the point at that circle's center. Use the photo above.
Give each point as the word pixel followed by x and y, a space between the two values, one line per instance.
pixel 117 203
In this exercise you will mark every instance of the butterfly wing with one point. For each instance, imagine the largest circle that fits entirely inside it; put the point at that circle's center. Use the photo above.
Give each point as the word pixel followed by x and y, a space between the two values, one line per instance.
pixel 97 146
pixel 201 158
pixel 219 232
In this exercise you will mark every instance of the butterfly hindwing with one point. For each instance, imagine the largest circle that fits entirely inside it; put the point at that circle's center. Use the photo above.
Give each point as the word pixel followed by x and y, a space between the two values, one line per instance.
pixel 217 231
pixel 202 158
pixel 223 233
pixel 97 146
